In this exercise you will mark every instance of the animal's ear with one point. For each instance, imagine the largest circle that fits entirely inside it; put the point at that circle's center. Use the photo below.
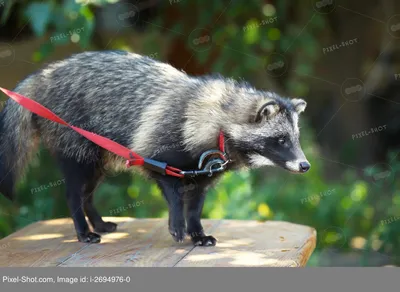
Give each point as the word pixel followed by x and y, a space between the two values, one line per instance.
pixel 267 110
pixel 299 105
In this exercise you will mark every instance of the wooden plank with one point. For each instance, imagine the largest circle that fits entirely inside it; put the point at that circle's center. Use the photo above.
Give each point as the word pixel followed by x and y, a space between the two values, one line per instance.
pixel 255 244
pixel 42 244
pixel 147 242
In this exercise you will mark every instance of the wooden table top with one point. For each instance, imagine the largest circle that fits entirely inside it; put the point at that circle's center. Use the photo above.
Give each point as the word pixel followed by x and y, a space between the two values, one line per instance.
pixel 147 243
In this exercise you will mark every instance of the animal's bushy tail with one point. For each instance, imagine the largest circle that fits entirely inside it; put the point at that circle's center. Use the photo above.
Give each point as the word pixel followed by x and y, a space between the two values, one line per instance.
pixel 17 143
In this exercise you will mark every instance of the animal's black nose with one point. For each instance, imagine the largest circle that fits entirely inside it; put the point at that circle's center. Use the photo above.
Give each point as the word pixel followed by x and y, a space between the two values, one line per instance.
pixel 304 166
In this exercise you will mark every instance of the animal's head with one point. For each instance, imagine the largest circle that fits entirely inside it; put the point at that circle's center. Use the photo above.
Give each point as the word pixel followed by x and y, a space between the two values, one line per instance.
pixel 271 134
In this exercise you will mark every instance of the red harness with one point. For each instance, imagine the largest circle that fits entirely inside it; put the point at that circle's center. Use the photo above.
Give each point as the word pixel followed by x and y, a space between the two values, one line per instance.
pixel 131 157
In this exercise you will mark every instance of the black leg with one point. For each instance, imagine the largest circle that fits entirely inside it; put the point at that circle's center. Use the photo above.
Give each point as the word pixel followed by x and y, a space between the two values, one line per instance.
pixel 94 217
pixel 76 175
pixel 171 188
pixel 193 209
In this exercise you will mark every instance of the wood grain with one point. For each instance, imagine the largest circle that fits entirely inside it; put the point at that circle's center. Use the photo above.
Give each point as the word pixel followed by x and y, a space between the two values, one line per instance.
pixel 147 243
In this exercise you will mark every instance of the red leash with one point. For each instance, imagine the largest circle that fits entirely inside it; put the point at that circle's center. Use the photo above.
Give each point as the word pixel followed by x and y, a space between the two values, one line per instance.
pixel 131 157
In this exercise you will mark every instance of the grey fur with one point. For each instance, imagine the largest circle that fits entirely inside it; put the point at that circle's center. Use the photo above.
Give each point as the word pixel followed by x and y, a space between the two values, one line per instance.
pixel 144 104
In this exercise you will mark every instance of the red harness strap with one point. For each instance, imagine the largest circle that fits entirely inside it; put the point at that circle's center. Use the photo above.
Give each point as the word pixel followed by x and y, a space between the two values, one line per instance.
pixel 221 142
pixel 131 157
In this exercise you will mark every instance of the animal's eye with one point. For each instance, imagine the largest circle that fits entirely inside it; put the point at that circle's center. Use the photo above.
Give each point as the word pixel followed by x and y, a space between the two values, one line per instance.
pixel 282 141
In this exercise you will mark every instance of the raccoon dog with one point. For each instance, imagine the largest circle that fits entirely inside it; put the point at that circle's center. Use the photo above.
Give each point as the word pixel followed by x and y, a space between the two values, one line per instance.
pixel 158 112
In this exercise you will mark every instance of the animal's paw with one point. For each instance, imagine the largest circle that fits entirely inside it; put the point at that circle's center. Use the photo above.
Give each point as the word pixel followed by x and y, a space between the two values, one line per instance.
pixel 89 237
pixel 105 227
pixel 203 240
pixel 178 234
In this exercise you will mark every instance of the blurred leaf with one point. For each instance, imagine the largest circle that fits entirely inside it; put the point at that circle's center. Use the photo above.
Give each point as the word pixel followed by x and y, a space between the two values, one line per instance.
pixel 274 34
pixel 44 50
pixel 39 15
pixel 251 33
pixel 8 5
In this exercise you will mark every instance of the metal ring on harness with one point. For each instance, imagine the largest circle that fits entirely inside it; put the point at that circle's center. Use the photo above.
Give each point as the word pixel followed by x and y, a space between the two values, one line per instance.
pixel 209 153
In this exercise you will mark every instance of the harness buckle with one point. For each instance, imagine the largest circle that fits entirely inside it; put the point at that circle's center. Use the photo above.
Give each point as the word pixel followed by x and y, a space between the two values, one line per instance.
pixel 155 165
pixel 214 165
pixel 150 164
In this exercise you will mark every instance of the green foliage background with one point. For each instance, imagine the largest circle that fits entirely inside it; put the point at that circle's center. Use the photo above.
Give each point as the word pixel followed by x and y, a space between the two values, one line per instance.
pixel 341 210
